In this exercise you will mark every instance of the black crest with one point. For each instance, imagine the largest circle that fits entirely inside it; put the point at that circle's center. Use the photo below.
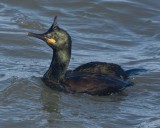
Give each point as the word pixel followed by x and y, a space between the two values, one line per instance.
pixel 53 25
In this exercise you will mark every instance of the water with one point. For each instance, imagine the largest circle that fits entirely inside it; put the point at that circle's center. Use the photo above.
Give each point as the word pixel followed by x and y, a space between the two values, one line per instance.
pixel 125 32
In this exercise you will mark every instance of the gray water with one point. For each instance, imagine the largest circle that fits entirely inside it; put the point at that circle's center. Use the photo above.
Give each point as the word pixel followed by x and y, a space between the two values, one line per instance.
pixel 126 32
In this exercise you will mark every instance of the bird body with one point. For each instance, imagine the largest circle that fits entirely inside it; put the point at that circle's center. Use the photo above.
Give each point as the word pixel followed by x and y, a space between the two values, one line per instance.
pixel 94 78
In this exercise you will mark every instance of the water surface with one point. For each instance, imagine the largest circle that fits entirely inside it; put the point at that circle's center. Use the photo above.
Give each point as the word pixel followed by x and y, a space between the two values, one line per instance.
pixel 126 32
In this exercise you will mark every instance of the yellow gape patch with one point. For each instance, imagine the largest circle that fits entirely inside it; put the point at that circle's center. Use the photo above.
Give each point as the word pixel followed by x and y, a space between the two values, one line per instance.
pixel 51 40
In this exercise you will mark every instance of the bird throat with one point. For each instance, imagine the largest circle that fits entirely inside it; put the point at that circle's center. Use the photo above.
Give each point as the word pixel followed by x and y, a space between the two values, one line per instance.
pixel 58 66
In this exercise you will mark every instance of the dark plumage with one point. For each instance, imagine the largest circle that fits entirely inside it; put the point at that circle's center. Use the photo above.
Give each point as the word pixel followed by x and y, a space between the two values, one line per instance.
pixel 95 78
pixel 108 69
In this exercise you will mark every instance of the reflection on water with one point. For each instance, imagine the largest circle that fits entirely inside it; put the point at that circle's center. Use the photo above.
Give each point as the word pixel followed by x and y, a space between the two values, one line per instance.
pixel 125 32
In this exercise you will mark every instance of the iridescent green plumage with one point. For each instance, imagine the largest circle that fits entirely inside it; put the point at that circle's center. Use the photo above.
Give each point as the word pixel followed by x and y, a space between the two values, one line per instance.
pixel 95 78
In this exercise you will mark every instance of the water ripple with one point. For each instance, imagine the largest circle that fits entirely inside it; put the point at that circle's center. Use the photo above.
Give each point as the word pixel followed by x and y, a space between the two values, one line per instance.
pixel 125 32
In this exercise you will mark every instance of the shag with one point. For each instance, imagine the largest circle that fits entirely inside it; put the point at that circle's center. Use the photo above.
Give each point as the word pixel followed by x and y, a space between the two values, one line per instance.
pixel 94 78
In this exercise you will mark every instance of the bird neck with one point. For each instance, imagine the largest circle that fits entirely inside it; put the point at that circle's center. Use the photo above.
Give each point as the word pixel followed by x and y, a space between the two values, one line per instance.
pixel 58 66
